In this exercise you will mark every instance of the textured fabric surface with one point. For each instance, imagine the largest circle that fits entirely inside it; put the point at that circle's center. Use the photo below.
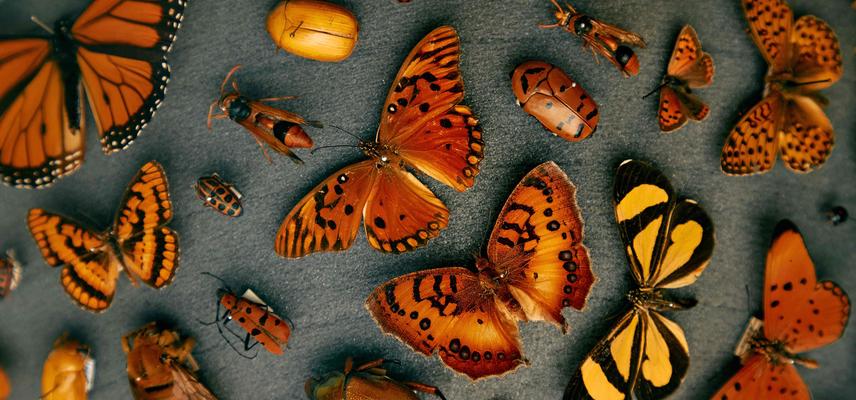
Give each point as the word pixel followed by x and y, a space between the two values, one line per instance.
pixel 324 294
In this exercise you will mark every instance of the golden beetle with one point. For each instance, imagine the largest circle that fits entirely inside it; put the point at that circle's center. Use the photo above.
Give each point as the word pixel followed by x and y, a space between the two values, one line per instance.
pixel 68 371
pixel 367 381
pixel 313 29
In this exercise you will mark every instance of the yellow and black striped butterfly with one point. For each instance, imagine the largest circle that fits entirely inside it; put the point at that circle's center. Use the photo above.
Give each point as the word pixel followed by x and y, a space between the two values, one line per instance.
pixel 668 242
pixel 139 242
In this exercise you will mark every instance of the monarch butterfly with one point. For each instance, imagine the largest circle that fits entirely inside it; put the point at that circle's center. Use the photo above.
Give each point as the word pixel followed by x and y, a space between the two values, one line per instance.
pixel 116 50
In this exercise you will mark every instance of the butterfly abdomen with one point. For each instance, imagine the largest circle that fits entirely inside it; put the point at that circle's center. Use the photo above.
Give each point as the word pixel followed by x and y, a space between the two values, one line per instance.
pixel 64 51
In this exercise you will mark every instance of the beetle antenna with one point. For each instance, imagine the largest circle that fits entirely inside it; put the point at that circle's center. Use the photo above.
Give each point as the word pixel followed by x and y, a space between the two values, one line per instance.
pixel 217 278
pixel 655 89
pixel 41 24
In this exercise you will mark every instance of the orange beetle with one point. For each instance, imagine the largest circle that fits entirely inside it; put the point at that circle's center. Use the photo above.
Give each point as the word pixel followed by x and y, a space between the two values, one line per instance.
pixel 160 365
pixel 68 371
pixel 10 275
pixel 559 103
pixel 604 39
pixel 5 386
pixel 255 317
pixel 314 29
pixel 368 381
pixel 219 195
pixel 279 129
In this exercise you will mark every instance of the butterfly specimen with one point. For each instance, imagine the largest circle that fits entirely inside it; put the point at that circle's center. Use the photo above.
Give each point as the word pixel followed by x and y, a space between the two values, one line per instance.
pixel 803 57
pixel 536 265
pixel 602 38
pixel 800 314
pixel 160 365
pixel 422 127
pixel 366 381
pixel 219 195
pixel 68 372
pixel 668 242
pixel 139 242
pixel 10 274
pixel 116 51
pixel 279 129
pixel 561 105
pixel 257 319
pixel 689 68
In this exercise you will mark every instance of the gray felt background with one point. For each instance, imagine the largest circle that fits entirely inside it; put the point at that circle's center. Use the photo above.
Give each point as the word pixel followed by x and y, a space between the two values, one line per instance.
pixel 324 294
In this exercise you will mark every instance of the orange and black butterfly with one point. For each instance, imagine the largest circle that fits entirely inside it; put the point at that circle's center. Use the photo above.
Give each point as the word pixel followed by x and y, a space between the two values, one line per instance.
pixel 800 314
pixel 10 274
pixel 536 265
pixel 689 68
pixel 803 57
pixel 668 242
pixel 422 127
pixel 116 51
pixel 602 38
pixel 139 242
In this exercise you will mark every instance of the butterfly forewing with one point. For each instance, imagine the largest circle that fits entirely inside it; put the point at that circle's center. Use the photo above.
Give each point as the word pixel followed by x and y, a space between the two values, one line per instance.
pixel 770 23
pixel 816 54
pixel 328 217
pixel 402 214
pixel 752 145
pixel 688 62
pixel 538 237
pixel 687 248
pixel 442 311
pixel 759 379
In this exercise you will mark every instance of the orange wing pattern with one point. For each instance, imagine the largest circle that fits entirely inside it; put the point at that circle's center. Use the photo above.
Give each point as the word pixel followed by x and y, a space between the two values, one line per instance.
pixel 422 118
pixel 671 115
pixel 537 242
pixel 752 145
pixel 688 62
pixel 442 310
pixel 327 219
pixel 816 54
pixel 689 67
pixel 402 214
pixel 89 268
pixel 759 379
pixel 123 62
pixel 807 137
pixel 770 22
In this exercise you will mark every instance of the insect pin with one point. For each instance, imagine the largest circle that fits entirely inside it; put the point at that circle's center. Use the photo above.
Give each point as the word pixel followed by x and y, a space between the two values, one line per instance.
pixel 836 215
pixel 219 195
pixel 10 274
pixel 279 129
pixel 604 39
pixel 367 381
pixel 68 372
pixel 260 324
pixel 160 365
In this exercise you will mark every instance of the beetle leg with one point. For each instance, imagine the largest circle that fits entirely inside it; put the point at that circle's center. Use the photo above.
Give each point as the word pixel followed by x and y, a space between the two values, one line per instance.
pixel 371 364
pixel 217 317
pixel 349 365
pixel 421 387
pixel 272 99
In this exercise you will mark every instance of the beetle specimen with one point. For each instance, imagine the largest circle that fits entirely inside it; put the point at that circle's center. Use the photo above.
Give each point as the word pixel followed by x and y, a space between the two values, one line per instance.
pixel 10 274
pixel 68 371
pixel 314 29
pixel 604 39
pixel 367 381
pixel 279 129
pixel 219 195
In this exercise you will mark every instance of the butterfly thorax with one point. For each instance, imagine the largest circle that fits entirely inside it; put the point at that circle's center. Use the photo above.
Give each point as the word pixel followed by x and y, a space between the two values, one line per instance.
pixel 777 353
pixel 65 51
pixel 676 83
pixel 657 300
pixel 382 153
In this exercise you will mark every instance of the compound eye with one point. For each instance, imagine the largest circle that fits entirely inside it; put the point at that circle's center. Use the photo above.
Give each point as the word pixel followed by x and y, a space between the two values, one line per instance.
pixel 582 25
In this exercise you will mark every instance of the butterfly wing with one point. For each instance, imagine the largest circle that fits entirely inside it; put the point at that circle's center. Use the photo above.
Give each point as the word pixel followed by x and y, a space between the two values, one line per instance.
pixel 122 59
pixel 688 62
pixel 770 22
pixel 752 145
pixel 90 269
pixel 149 248
pixel 671 114
pixel 402 214
pixel 38 140
pixel 328 217
pixel 807 137
pixel 537 242
pixel 443 310
pixel 422 118
pixel 759 379
pixel 798 310
pixel 816 54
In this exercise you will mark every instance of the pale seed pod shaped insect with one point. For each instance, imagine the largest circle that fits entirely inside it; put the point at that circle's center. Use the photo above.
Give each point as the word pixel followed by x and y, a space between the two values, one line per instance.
pixel 314 29
pixel 10 274
pixel 553 98
pixel 68 371
pixel 219 195
pixel 367 381
pixel 279 129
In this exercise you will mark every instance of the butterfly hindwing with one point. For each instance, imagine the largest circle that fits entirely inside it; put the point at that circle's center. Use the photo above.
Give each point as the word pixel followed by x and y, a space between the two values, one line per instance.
pixel 89 271
pixel 443 311
pixel 807 136
pixel 671 115
pixel 759 379
pixel 402 214
pixel 539 232
pixel 328 217
pixel 817 53
pixel 687 247
pixel 665 360
pixel 752 145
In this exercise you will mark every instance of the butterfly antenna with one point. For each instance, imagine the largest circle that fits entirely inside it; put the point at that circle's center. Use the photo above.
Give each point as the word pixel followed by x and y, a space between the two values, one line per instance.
pixel 812 82
pixel 41 24
pixel 655 89
pixel 349 133
pixel 332 146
